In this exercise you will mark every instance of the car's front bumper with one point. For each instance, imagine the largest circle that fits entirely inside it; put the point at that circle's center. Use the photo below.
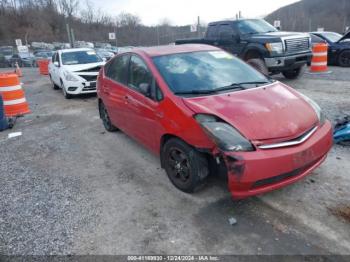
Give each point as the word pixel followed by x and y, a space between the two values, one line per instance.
pixel 288 62
pixel 80 87
pixel 261 171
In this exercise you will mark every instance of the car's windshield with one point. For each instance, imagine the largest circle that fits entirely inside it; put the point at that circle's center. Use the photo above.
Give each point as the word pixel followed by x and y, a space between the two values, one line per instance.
pixel 206 71
pixel 24 55
pixel 333 37
pixel 80 57
pixel 7 51
pixel 254 26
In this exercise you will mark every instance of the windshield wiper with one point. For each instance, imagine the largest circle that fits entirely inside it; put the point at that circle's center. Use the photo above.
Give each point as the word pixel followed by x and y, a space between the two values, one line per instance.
pixel 253 83
pixel 210 91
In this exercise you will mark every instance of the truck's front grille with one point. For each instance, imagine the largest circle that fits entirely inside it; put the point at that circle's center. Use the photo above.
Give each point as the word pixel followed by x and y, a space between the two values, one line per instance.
pixel 297 45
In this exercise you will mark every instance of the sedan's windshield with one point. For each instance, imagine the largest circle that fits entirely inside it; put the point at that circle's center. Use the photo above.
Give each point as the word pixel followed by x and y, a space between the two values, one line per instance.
pixel 333 37
pixel 206 72
pixel 80 57
pixel 254 26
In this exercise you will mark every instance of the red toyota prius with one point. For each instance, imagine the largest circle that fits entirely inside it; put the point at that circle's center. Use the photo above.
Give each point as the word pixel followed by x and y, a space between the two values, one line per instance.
pixel 204 111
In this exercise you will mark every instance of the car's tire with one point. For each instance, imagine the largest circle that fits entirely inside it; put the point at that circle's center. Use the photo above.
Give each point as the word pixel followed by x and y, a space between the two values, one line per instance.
pixel 344 58
pixel 259 65
pixel 54 86
pixel 186 168
pixel 105 118
pixel 295 73
pixel 64 91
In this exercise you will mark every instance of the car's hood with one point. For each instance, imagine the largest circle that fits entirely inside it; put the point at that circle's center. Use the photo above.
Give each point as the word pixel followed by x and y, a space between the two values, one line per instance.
pixel 277 35
pixel 83 67
pixel 272 112
pixel 346 36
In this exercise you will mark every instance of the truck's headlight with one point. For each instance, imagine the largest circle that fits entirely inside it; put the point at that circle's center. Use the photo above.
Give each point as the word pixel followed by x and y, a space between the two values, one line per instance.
pixel 275 47
pixel 70 77
pixel 226 137
pixel 316 107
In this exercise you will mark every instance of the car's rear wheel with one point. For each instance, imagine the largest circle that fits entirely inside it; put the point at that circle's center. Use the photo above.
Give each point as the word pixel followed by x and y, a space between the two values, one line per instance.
pixel 344 58
pixel 259 65
pixel 64 91
pixel 185 166
pixel 295 73
pixel 105 118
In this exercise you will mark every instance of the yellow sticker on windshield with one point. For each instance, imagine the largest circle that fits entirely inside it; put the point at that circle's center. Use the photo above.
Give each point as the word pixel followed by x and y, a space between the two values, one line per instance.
pixel 221 55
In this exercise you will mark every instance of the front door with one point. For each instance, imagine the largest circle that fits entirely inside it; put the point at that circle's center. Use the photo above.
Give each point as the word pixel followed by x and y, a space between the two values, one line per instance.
pixel 143 112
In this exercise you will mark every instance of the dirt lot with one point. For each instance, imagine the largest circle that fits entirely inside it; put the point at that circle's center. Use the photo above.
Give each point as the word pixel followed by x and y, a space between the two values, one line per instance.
pixel 68 187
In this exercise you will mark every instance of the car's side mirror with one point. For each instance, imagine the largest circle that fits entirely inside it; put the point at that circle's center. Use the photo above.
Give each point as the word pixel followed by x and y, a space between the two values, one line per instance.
pixel 56 64
pixel 145 89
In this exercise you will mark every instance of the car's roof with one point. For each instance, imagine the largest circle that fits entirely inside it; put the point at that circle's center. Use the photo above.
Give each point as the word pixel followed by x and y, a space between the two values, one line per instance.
pixel 172 49
pixel 75 50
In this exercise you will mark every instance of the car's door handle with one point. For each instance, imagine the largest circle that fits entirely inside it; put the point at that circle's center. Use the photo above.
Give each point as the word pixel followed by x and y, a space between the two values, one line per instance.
pixel 160 114
pixel 106 89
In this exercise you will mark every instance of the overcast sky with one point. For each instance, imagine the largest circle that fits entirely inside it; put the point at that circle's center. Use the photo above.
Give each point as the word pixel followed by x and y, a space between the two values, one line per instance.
pixel 184 12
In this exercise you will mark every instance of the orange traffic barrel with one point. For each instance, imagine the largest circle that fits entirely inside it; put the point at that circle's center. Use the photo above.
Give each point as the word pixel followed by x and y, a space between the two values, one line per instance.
pixel 319 62
pixel 43 66
pixel 15 103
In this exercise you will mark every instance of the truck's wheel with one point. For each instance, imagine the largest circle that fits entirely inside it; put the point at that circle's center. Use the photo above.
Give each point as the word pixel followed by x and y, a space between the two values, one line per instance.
pixel 344 58
pixel 259 65
pixel 185 166
pixel 295 73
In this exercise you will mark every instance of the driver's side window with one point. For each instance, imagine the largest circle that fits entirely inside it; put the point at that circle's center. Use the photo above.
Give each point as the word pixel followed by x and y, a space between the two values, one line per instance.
pixel 138 73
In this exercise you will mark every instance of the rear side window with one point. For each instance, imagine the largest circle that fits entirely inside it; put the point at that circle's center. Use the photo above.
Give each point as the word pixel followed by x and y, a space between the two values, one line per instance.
pixel 212 32
pixel 139 73
pixel 225 30
pixel 117 70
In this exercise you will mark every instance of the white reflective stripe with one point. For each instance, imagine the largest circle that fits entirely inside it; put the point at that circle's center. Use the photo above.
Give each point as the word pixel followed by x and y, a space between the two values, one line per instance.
pixel 14 102
pixel 10 88
pixel 319 64
pixel 320 54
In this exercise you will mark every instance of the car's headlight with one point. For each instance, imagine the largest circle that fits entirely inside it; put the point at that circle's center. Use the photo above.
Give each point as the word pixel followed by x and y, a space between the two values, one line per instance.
pixel 316 107
pixel 275 47
pixel 70 77
pixel 226 137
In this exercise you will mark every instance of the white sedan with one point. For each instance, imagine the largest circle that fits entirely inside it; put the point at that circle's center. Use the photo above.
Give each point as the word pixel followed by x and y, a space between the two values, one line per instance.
pixel 75 71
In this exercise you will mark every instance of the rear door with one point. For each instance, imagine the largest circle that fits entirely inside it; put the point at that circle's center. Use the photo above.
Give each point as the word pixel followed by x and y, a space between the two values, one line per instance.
pixel 114 89
pixel 143 112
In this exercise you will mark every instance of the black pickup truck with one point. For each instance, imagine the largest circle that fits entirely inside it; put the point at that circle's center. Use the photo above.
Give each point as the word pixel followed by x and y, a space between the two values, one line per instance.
pixel 260 44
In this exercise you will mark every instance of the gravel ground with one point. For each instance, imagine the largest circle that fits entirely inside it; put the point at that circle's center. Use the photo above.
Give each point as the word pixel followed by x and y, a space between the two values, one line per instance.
pixel 69 187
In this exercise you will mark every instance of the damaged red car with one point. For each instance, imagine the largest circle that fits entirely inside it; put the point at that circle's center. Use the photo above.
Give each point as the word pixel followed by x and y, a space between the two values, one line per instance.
pixel 204 111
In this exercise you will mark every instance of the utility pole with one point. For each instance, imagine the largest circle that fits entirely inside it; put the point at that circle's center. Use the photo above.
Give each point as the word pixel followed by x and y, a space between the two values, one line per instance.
pixel 158 40
pixel 72 36
pixel 69 35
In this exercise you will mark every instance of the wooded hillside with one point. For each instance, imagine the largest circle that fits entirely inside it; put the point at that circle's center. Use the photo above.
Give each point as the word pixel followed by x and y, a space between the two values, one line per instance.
pixel 308 15
pixel 45 20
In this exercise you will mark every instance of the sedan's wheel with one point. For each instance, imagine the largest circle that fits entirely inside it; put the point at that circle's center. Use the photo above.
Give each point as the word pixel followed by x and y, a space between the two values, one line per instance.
pixel 64 91
pixel 344 58
pixel 54 86
pixel 185 166
pixel 105 118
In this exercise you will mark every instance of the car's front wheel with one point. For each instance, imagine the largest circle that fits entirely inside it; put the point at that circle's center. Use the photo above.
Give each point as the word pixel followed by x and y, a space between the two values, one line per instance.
pixel 186 168
pixel 54 86
pixel 295 73
pixel 105 118
pixel 344 58
pixel 64 91
pixel 259 65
